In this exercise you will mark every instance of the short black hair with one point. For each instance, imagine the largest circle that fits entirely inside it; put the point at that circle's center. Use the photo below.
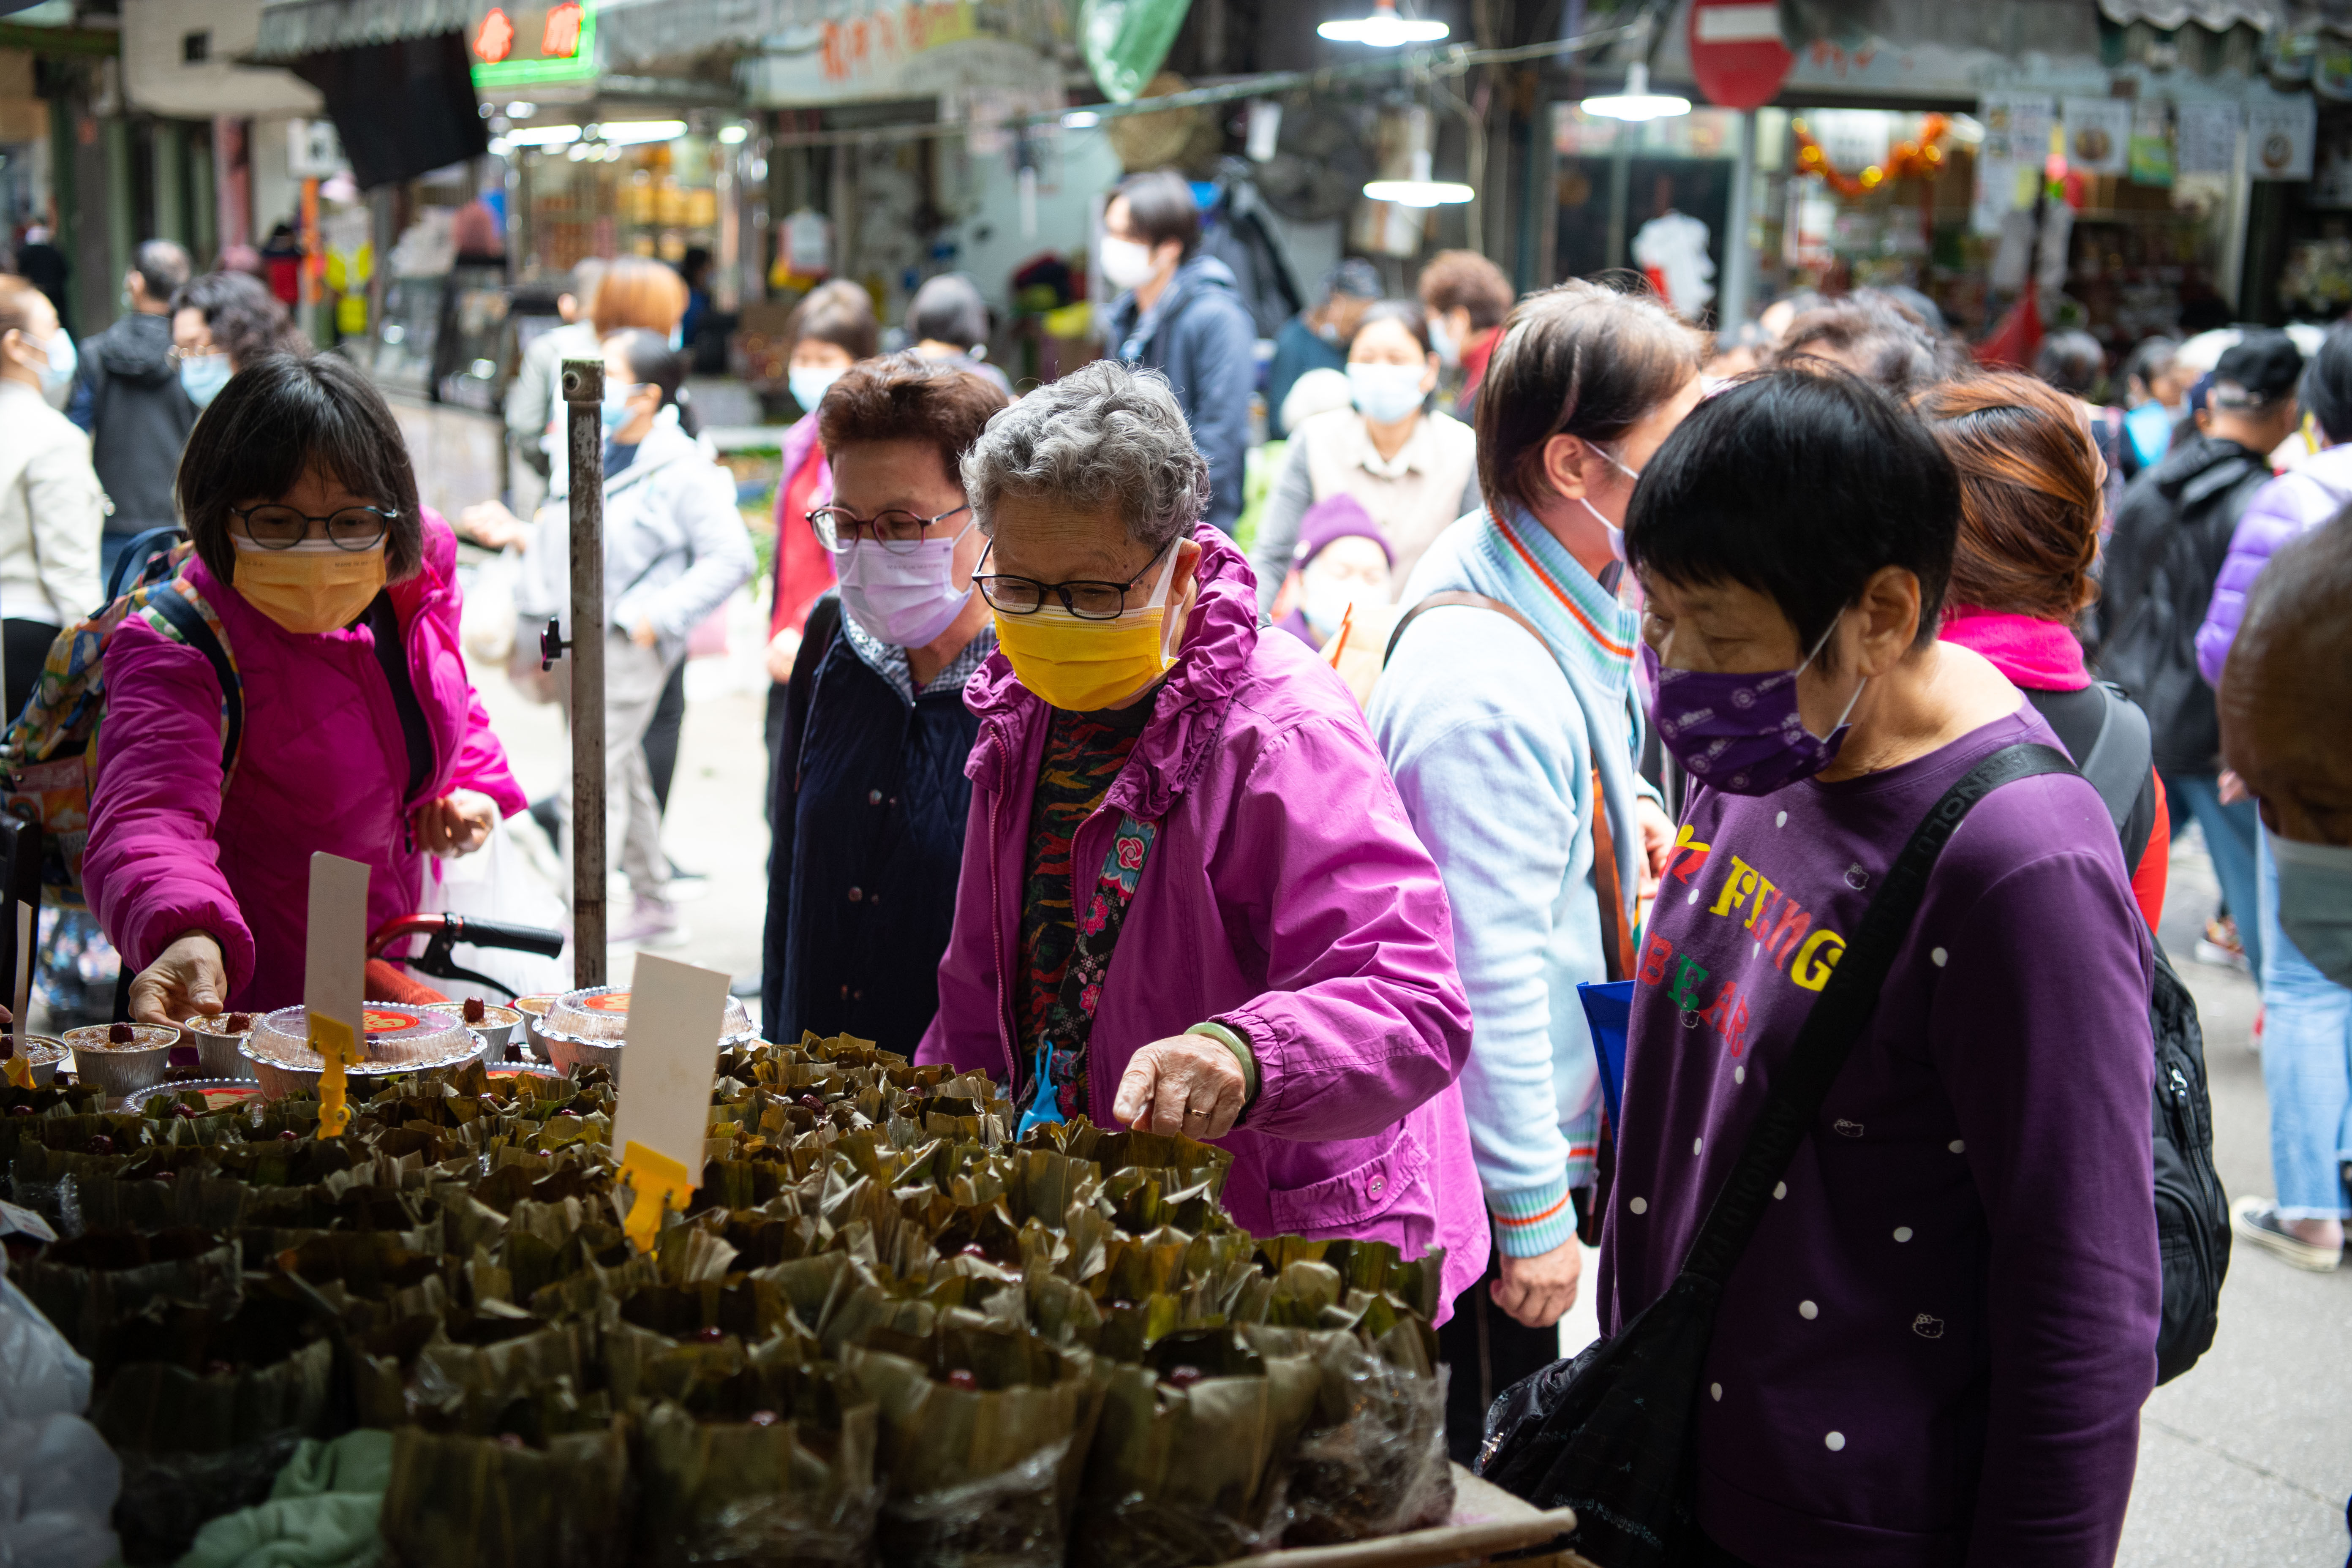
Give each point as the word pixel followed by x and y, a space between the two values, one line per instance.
pixel 949 310
pixel 247 319
pixel 277 417
pixel 163 265
pixel 1800 484
pixel 1161 208
pixel 2070 361
pixel 2327 384
pixel 1405 313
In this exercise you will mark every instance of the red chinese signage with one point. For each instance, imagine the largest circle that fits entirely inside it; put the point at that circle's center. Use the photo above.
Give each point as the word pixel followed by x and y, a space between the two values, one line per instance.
pixel 494 39
pixel 561 40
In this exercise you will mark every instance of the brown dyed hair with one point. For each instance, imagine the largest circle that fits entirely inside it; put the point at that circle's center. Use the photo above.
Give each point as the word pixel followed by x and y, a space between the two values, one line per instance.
pixel 1578 360
pixel 1468 279
pixel 840 314
pixel 2029 501
pixel 909 398
pixel 638 292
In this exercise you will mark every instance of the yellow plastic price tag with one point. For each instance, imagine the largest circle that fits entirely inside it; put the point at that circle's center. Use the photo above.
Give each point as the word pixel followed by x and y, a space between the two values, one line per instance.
pixel 658 1182
pixel 337 1044
pixel 19 1071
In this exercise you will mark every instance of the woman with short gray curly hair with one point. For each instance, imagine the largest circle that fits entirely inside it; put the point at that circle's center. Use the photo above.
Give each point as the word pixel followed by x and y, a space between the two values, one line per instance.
pixel 1154 776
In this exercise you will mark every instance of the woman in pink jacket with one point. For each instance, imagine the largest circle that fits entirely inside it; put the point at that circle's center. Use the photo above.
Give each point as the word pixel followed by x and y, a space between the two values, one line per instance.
pixel 363 735
pixel 1191 901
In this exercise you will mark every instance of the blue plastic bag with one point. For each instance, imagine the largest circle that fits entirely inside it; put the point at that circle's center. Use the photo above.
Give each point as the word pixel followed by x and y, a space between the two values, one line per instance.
pixel 1609 1009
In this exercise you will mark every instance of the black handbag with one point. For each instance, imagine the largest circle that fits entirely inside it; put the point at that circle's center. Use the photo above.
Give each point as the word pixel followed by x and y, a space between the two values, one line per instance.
pixel 1608 1433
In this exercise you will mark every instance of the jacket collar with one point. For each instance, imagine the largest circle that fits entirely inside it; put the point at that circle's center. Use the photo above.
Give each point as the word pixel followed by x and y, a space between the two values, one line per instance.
pixel 2187 462
pixel 1133 329
pixel 1188 711
pixel 664 444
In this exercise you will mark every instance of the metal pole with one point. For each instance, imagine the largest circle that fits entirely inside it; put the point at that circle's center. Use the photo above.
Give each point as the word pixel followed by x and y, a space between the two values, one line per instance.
pixel 583 393
pixel 1738 289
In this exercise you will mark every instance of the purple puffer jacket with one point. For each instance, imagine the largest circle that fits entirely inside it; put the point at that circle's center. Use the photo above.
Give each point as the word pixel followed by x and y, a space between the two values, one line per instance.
pixel 2288 506
pixel 323 765
pixel 1285 898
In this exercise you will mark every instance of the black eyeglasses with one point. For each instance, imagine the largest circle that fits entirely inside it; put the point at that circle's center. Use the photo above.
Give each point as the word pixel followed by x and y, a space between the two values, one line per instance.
pixel 1087 601
pixel 897 530
pixel 282 528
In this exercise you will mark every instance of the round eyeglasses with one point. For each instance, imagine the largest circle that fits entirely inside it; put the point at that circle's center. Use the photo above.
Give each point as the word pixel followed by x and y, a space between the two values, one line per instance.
pixel 282 527
pixel 897 530
pixel 1087 599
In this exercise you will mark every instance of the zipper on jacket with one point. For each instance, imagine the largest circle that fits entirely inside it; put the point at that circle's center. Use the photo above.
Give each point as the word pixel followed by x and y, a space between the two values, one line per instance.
pixel 996 920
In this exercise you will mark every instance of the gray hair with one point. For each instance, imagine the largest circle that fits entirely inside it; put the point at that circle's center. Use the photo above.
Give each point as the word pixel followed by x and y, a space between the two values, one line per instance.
pixel 1102 434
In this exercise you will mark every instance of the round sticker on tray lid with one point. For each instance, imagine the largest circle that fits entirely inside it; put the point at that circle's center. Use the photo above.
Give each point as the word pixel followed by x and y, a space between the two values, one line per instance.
pixel 384 1020
pixel 609 1002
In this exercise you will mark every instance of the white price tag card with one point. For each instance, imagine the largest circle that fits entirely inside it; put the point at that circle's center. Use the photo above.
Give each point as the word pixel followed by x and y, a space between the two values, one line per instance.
pixel 675 1014
pixel 335 957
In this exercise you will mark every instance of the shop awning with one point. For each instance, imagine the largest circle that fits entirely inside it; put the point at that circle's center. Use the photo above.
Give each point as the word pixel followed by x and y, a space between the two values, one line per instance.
pixel 2215 16
pixel 293 28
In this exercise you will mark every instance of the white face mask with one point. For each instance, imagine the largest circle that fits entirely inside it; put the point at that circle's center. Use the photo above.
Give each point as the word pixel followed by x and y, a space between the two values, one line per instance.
pixel 1125 263
pixel 1616 534
pixel 2315 901
pixel 1386 393
pixel 57 375
pixel 1449 353
pixel 808 385
pixel 903 600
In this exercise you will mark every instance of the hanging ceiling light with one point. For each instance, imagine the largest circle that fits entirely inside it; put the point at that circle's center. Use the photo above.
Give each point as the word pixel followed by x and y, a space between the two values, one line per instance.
pixel 1636 102
pixel 1383 29
pixel 1419 191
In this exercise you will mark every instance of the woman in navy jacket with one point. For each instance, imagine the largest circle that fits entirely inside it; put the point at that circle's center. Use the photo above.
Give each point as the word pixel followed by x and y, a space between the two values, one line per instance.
pixel 870 793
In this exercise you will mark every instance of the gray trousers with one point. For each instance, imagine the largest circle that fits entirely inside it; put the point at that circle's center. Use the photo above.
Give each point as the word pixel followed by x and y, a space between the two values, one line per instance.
pixel 634 677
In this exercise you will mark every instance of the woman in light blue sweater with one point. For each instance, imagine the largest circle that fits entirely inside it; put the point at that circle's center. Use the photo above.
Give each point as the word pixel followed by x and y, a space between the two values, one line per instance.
pixel 1500 745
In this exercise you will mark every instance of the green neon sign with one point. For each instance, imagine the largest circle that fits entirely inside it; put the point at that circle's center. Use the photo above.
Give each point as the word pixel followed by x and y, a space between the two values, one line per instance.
pixel 520 45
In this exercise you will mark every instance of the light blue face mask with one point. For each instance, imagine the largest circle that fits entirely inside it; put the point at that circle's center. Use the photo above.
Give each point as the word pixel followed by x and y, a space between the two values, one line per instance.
pixel 2314 900
pixel 809 386
pixel 202 376
pixel 59 373
pixel 616 410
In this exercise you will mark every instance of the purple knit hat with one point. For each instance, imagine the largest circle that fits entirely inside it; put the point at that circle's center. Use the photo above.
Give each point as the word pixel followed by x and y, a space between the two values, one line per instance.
pixel 1335 517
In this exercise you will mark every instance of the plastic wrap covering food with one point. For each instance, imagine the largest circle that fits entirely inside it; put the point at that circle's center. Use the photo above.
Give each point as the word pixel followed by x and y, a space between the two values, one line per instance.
pixel 399 1038
pixel 58 1480
pixel 880 1332
pixel 1189 1463
pixel 602 1013
pixel 985 1430
pixel 462 1502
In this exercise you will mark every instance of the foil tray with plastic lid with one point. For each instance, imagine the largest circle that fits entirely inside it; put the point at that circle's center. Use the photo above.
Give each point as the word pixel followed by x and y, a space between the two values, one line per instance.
pixel 400 1040
pixel 588 1028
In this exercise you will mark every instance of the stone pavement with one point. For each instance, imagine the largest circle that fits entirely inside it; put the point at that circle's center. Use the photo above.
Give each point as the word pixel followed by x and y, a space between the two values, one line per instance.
pixel 2246 1461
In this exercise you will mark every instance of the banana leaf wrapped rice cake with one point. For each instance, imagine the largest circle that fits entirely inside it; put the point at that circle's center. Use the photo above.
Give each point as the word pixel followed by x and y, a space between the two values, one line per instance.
pixel 881 1331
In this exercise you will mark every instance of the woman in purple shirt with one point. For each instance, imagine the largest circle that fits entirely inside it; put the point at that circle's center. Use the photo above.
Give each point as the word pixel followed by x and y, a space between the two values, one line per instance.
pixel 1935 1349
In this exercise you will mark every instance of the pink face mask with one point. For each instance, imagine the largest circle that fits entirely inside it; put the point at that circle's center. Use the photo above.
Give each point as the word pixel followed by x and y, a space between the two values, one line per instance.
pixel 1741 733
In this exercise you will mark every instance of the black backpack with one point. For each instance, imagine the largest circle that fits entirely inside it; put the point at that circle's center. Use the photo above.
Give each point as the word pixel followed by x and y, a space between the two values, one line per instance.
pixel 2192 1214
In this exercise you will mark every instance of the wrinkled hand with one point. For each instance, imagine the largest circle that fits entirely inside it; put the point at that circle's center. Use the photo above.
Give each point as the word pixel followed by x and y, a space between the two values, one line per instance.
pixel 489 523
pixel 1191 1084
pixel 782 649
pixel 457 823
pixel 1657 843
pixel 1538 1291
pixel 2233 789
pixel 186 978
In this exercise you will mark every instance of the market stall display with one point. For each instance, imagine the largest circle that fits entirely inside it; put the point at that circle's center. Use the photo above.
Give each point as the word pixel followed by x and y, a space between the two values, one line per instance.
pixel 400 1040
pixel 587 1029
pixel 880 1332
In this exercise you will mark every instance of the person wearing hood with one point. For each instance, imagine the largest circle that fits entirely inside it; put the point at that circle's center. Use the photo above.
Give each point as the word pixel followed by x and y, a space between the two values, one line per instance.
pixel 1181 314
pixel 2172 534
pixel 1342 560
pixel 2306 1011
pixel 869 794
pixel 336 593
pixel 51 508
pixel 1191 901
pixel 132 394
pixel 675 548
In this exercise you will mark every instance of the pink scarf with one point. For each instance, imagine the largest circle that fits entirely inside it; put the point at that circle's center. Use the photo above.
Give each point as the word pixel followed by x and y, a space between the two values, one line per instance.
pixel 2037 654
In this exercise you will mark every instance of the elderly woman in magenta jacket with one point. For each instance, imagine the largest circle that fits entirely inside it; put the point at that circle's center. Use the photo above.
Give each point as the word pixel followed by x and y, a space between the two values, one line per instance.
pixel 1191 901
pixel 314 552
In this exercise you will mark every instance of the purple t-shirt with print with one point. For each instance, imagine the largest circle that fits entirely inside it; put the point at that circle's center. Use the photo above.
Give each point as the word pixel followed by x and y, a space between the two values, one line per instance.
pixel 1935 1348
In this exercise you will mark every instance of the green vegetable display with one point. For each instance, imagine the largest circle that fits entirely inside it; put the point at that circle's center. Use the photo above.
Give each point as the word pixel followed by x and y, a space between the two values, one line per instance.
pixel 882 1332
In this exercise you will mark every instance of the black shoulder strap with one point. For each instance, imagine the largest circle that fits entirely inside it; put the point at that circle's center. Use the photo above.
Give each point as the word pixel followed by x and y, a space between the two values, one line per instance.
pixel 392 655
pixel 1840 1014
pixel 2117 762
pixel 192 629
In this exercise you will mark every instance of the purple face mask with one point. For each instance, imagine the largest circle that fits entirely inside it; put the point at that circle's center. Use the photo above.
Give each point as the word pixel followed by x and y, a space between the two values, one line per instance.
pixel 1741 734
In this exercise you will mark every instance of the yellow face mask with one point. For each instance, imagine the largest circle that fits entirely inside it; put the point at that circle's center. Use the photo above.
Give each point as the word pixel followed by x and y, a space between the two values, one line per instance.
pixel 311 587
pixel 1081 666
